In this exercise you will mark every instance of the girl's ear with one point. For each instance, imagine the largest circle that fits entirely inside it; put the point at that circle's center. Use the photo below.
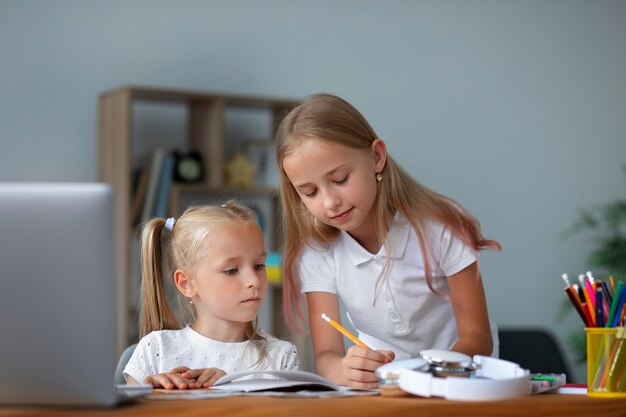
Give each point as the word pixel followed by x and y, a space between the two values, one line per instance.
pixel 379 153
pixel 184 283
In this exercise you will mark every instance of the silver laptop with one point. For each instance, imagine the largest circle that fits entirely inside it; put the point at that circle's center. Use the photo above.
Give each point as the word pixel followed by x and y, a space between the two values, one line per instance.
pixel 57 294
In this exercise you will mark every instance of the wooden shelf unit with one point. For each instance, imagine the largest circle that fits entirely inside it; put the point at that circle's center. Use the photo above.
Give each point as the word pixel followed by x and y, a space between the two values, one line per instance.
pixel 205 134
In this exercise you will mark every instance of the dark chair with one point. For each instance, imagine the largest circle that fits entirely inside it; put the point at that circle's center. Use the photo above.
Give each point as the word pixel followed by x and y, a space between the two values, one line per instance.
pixel 534 349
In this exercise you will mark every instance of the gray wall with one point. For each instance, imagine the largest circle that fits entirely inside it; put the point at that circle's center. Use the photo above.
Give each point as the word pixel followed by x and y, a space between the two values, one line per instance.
pixel 517 109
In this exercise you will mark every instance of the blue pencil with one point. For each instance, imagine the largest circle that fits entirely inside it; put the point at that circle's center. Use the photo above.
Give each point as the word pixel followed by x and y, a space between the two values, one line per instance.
pixel 620 306
pixel 599 307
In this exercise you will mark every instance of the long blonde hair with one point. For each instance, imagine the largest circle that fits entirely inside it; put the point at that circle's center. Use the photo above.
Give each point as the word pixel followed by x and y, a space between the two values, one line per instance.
pixel 188 242
pixel 328 118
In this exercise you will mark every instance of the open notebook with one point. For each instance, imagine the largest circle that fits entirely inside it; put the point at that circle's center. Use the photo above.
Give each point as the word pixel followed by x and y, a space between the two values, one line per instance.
pixel 250 381
pixel 271 383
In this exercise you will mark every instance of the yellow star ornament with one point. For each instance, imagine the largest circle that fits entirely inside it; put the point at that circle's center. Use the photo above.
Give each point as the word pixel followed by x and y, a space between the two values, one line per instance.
pixel 240 171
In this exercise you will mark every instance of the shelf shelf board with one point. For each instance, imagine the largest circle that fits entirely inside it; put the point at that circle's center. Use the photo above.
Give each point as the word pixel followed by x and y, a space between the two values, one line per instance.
pixel 147 93
pixel 208 189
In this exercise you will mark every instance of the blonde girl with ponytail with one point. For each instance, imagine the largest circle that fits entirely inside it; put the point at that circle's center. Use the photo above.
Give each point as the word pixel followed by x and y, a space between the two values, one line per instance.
pixel 216 262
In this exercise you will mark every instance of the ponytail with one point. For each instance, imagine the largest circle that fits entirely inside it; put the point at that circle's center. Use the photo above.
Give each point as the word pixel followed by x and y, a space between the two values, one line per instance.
pixel 155 312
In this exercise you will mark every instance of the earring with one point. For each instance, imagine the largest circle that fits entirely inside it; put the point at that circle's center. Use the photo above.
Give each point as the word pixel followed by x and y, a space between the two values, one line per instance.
pixel 379 177
pixel 190 301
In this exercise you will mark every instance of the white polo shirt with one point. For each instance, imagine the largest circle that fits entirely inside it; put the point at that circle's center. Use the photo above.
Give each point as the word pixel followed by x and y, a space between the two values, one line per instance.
pixel 406 316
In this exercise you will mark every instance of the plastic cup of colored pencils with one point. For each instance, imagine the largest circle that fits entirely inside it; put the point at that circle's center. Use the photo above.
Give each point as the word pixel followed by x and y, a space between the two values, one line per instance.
pixel 606 361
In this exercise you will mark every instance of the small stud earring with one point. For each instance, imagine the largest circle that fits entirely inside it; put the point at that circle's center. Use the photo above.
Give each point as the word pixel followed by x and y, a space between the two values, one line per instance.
pixel 190 301
pixel 379 177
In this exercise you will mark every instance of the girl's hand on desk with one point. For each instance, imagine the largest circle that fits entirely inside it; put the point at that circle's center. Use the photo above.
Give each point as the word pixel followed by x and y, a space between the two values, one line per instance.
pixel 204 377
pixel 171 380
pixel 360 363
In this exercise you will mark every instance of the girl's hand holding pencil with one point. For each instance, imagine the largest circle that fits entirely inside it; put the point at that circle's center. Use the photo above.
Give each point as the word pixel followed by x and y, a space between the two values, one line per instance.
pixel 361 361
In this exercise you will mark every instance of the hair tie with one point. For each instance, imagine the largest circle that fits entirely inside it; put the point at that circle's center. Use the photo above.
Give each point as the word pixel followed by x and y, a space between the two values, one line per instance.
pixel 169 224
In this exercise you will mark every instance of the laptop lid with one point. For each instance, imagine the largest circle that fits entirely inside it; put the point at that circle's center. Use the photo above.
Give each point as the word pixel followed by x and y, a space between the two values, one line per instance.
pixel 57 294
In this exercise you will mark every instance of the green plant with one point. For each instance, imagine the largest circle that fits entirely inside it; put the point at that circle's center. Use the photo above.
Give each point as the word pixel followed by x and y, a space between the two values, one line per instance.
pixel 606 225
pixel 607 222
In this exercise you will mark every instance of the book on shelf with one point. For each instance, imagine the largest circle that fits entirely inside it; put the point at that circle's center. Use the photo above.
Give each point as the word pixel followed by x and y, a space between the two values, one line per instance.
pixel 139 194
pixel 153 182
pixel 161 206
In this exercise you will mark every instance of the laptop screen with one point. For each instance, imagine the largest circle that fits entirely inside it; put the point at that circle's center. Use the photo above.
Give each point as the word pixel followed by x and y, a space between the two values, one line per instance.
pixel 57 298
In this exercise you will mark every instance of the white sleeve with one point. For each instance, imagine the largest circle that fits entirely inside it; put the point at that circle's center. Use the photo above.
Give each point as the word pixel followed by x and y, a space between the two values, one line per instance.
pixel 454 255
pixel 290 360
pixel 317 271
pixel 140 364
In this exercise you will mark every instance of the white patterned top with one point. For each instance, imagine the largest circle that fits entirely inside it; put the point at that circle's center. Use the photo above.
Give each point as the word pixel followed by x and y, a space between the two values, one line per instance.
pixel 164 350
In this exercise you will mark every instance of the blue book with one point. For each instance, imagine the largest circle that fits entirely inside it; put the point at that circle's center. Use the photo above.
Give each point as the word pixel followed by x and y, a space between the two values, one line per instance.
pixel 151 193
pixel 161 207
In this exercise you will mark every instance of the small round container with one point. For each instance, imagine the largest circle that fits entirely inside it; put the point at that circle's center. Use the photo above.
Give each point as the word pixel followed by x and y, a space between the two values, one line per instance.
pixel 444 363
pixel 388 375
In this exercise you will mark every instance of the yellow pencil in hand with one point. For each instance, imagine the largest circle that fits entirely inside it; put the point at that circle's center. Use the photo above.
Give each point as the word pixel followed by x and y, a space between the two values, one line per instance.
pixel 343 331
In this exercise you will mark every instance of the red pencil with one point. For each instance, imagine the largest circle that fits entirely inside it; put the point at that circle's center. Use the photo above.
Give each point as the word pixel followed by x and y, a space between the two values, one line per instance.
pixel 583 313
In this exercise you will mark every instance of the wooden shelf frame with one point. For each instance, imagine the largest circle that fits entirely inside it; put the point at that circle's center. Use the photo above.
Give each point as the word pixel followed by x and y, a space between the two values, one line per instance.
pixel 205 133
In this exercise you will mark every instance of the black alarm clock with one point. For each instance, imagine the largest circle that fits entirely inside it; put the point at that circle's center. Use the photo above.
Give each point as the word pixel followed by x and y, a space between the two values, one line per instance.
pixel 188 167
